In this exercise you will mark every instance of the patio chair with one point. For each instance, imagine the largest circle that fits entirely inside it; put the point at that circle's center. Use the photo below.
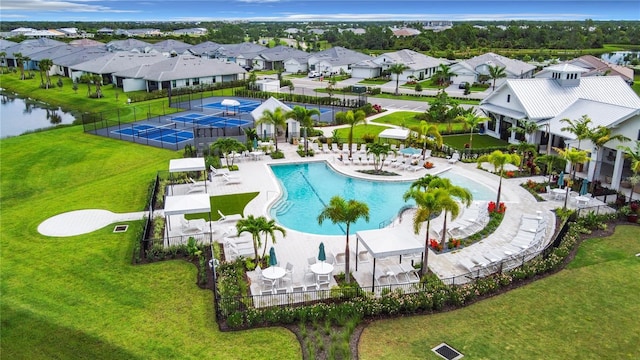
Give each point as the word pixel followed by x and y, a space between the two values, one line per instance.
pixel 218 172
pixel 454 158
pixel 363 257
pixel 325 148
pixel 233 217
pixel 298 288
pixel 340 259
pixel 363 149
pixel 427 153
pixel 192 226
pixel 288 275
pixel 231 179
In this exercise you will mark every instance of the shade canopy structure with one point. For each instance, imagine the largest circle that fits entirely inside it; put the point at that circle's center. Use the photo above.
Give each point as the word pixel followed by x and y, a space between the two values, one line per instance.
pixel 398 134
pixel 382 243
pixel 187 204
pixel 230 102
pixel 186 164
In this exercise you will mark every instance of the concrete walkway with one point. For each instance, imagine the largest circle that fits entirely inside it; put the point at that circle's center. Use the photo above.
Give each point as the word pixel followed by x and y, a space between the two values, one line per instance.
pixel 83 221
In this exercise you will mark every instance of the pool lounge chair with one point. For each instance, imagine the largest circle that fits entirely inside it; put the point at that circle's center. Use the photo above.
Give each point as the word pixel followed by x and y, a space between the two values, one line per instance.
pixel 192 226
pixel 231 179
pixel 218 172
pixel 454 158
pixel 233 217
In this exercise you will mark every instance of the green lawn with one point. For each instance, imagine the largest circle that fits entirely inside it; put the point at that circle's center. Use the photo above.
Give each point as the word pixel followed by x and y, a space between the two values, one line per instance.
pixel 587 311
pixel 79 297
pixel 428 99
pixel 407 119
pixel 636 84
pixel 479 141
pixel 359 131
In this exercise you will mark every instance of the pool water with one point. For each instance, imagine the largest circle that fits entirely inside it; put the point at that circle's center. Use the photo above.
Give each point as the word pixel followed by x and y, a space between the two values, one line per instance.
pixel 308 187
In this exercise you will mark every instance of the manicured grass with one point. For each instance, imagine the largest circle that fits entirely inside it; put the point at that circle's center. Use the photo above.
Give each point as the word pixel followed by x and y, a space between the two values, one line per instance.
pixel 407 119
pixel 428 99
pixel 227 204
pixel 587 311
pixel 636 84
pixel 479 141
pixel 79 297
pixel 359 131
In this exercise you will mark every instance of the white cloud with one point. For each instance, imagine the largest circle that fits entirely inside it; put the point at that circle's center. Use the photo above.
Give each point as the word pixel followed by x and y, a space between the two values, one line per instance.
pixel 66 6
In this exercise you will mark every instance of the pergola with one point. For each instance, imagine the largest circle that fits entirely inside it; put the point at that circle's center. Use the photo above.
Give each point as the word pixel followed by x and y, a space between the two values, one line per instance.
pixel 187 165
pixel 186 204
pixel 382 243
pixel 394 133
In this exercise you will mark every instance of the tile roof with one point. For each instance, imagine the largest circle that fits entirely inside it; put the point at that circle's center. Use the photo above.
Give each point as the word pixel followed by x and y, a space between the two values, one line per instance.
pixel 338 55
pixel 188 66
pixel 514 67
pixel 117 61
pixel 414 60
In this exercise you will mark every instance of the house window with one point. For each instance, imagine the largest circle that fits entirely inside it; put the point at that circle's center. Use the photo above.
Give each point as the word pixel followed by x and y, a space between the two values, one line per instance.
pixel 491 124
pixel 196 81
pixel 508 98
pixel 173 83
pixel 186 82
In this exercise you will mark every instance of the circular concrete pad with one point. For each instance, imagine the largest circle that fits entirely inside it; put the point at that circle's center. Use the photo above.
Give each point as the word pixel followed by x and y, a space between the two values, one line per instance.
pixel 83 221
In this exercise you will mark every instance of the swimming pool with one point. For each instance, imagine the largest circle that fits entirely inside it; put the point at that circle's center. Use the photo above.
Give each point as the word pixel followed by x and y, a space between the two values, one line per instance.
pixel 308 187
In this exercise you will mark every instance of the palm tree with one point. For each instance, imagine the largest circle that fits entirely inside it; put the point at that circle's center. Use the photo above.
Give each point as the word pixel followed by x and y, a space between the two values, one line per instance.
pixel 397 69
pixel 425 130
pixel 573 156
pixel 251 225
pixel 579 128
pixel 472 121
pixel 269 227
pixel 276 118
pixel 97 81
pixel 352 119
pixel 550 162
pixel 599 137
pixel 523 148
pixel 633 155
pixel 225 146
pixel 422 183
pixel 499 159
pixel 3 57
pixel 44 66
pixel 347 212
pixel 379 152
pixel 430 203
pixel 303 116
pixel 19 63
pixel 496 72
pixel 528 128
pixel 454 192
pixel 443 74
pixel 251 81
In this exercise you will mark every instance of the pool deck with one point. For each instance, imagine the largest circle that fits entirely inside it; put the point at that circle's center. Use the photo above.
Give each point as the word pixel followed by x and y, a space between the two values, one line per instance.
pixel 296 247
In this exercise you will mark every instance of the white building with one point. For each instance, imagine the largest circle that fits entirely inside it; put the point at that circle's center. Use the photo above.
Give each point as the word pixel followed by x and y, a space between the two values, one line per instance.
pixel 607 100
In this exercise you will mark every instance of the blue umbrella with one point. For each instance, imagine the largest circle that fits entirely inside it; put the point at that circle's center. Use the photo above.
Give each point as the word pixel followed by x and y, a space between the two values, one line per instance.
pixel 321 255
pixel 583 188
pixel 561 179
pixel 273 261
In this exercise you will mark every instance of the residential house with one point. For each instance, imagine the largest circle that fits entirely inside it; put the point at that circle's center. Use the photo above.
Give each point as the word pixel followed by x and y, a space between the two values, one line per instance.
pixel 62 64
pixel 4 44
pixel 170 48
pixel 139 32
pixel 86 42
pixel 607 100
pixel 105 31
pixel 335 60
pixel 27 48
pixel 190 32
pixel 113 62
pixel 419 66
pixel 242 54
pixel 274 58
pixel 205 49
pixel 132 45
pixel 177 72
pixel 53 53
pixel 292 129
pixel 404 32
pixel 472 70
pixel 594 67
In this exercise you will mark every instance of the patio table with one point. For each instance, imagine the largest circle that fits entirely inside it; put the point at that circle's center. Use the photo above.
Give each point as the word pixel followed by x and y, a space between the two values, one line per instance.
pixel 273 273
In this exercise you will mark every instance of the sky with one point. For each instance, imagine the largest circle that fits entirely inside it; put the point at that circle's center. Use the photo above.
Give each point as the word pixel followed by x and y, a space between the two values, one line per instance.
pixel 315 10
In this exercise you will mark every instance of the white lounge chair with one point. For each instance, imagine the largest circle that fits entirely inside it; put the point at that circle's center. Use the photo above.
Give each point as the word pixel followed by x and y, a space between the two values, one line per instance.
pixel 218 172
pixel 427 153
pixel 223 217
pixel 192 226
pixel 454 158
pixel 325 148
pixel 231 179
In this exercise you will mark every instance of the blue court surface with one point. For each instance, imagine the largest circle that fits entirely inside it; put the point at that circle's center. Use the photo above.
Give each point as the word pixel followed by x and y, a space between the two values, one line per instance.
pixel 247 106
pixel 164 133
pixel 210 120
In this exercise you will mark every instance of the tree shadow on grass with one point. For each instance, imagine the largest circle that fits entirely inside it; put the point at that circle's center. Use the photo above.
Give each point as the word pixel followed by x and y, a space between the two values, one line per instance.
pixel 25 336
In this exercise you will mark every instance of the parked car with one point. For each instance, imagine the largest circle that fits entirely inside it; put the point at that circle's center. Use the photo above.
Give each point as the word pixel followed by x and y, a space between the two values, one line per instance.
pixel 463 85
pixel 314 74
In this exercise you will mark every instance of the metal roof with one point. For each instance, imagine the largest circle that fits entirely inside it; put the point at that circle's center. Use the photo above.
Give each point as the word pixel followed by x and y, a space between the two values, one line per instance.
pixel 546 98
pixel 118 61
pixel 188 66
pixel 504 111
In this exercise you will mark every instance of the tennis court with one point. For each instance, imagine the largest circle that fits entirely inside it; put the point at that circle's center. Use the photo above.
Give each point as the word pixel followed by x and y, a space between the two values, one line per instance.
pixel 246 106
pixel 164 133
pixel 210 120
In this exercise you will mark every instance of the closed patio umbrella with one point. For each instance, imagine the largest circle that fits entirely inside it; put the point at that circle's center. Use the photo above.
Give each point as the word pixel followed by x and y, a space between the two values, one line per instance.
pixel 321 255
pixel 583 188
pixel 255 144
pixel 273 261
pixel 561 179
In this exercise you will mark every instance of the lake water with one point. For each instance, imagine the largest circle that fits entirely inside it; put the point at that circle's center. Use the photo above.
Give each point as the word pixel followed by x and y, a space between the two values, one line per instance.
pixel 18 115
pixel 617 57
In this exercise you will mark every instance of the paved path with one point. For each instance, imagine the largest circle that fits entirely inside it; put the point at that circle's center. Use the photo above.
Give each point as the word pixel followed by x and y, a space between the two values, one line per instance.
pixel 83 221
